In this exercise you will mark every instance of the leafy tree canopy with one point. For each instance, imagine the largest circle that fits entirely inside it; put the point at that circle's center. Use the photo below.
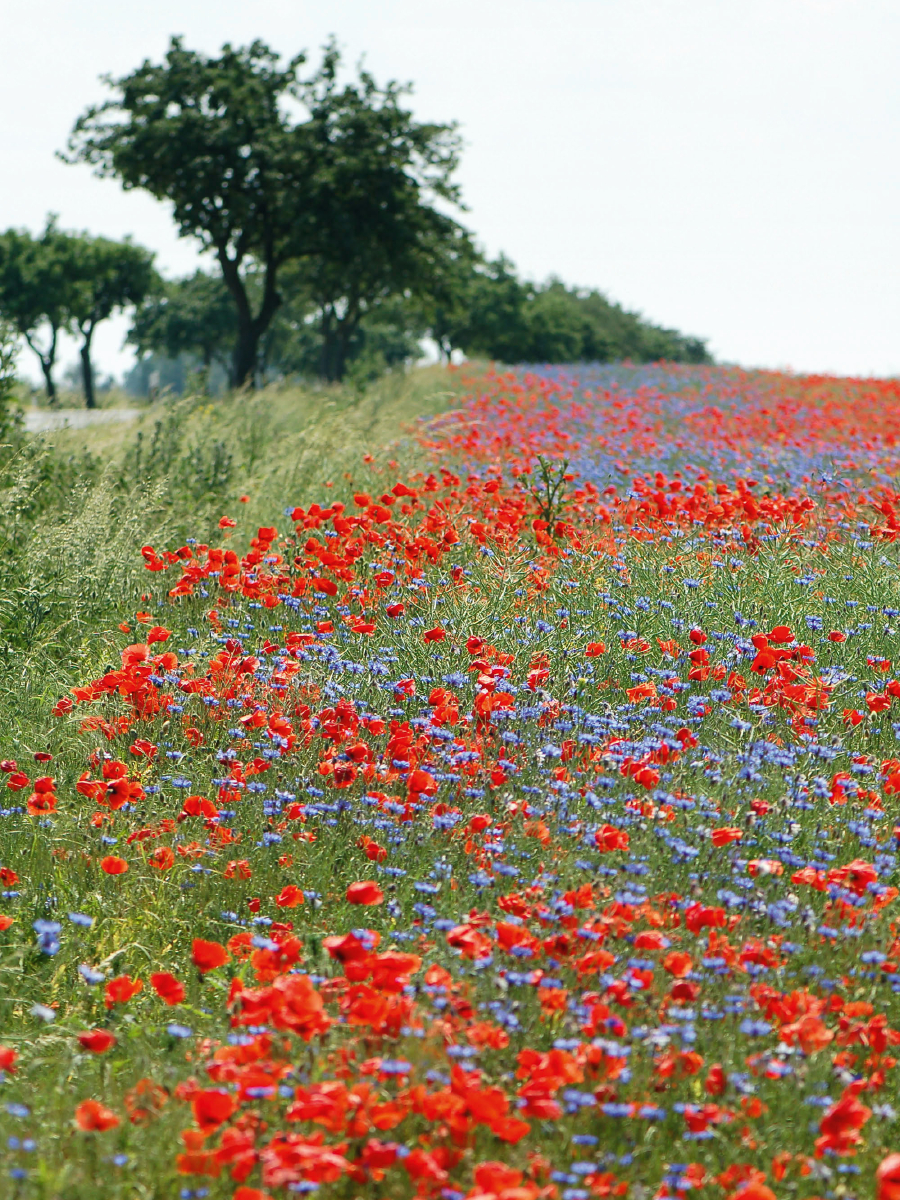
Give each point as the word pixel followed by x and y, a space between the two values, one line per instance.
pixel 108 277
pixel 188 316
pixel 264 168
pixel 36 290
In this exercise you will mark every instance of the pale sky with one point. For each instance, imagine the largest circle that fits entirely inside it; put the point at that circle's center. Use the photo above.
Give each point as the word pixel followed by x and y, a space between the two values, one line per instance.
pixel 730 168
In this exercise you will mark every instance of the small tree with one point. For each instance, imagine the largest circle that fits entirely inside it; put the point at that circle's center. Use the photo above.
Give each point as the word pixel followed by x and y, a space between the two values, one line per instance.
pixel 9 347
pixel 189 316
pixel 36 277
pixel 109 277
pixel 490 313
pixel 212 137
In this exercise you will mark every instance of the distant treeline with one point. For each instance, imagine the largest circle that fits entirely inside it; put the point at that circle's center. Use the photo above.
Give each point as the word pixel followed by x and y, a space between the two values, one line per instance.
pixel 491 314
pixel 325 207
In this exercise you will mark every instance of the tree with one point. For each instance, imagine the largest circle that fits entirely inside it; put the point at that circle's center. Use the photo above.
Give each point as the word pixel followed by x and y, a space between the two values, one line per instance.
pixel 188 316
pixel 375 232
pixel 36 290
pixel 213 137
pixel 345 187
pixel 489 313
pixel 9 338
pixel 502 317
pixel 109 276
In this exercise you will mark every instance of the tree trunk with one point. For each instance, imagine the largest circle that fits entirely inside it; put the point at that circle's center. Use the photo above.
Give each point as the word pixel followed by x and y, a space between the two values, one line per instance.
pixel 342 343
pixel 325 355
pixel 250 328
pixel 47 368
pixel 245 350
pixel 347 327
pixel 87 370
pixel 336 335
pixel 47 362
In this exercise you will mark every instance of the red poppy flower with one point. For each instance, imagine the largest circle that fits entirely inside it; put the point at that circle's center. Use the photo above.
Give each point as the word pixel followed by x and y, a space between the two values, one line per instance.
pixel 348 948
pixel 781 633
pixel 121 989
pixel 651 939
pixel 167 987
pixel 365 892
pixel 206 956
pixel 765 660
pixel 609 838
pixel 113 865
pixel 888 1178
pixel 725 834
pixel 839 1127
pixel 144 1100
pixel 212 1106
pixel 289 896
pixel 98 1041
pixel 162 858
pixel 595 649
pixel 422 781
pixel 496 1177
pixel 715 1081
pixel 41 803
pixel 238 868
pixel 94 1117
pixel 754 1189
pixel 8 1058
pixel 435 635
pixel 137 653
pixel 678 963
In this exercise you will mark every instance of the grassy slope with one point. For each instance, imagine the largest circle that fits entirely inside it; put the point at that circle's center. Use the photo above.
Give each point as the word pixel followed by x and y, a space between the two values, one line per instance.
pixel 78 504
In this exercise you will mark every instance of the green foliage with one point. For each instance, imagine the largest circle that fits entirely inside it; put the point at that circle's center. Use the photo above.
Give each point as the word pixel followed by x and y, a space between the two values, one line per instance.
pixel 9 346
pixel 376 232
pixel 212 136
pixel 323 203
pixel 501 317
pixel 347 192
pixel 66 281
pixel 549 488
pixel 108 277
pixel 198 469
pixel 188 316
pixel 36 290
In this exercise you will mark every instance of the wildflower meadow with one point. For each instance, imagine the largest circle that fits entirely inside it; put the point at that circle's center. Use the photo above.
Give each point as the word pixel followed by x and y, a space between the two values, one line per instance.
pixel 511 813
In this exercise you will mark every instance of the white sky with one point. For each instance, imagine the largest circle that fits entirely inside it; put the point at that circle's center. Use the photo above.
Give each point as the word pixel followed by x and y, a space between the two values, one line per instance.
pixel 729 168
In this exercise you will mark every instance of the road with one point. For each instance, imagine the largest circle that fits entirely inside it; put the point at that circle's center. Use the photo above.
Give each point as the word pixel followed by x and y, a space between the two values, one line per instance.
pixel 42 420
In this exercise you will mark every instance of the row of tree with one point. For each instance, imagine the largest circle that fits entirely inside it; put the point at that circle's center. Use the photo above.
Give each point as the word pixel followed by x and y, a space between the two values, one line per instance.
pixel 326 207
pixel 68 282
pixel 487 312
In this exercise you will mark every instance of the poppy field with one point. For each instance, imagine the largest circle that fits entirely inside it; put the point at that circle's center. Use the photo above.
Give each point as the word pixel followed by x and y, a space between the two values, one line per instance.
pixel 516 820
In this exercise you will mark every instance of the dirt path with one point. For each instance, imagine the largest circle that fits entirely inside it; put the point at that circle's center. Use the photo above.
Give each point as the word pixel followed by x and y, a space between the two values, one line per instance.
pixel 41 420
